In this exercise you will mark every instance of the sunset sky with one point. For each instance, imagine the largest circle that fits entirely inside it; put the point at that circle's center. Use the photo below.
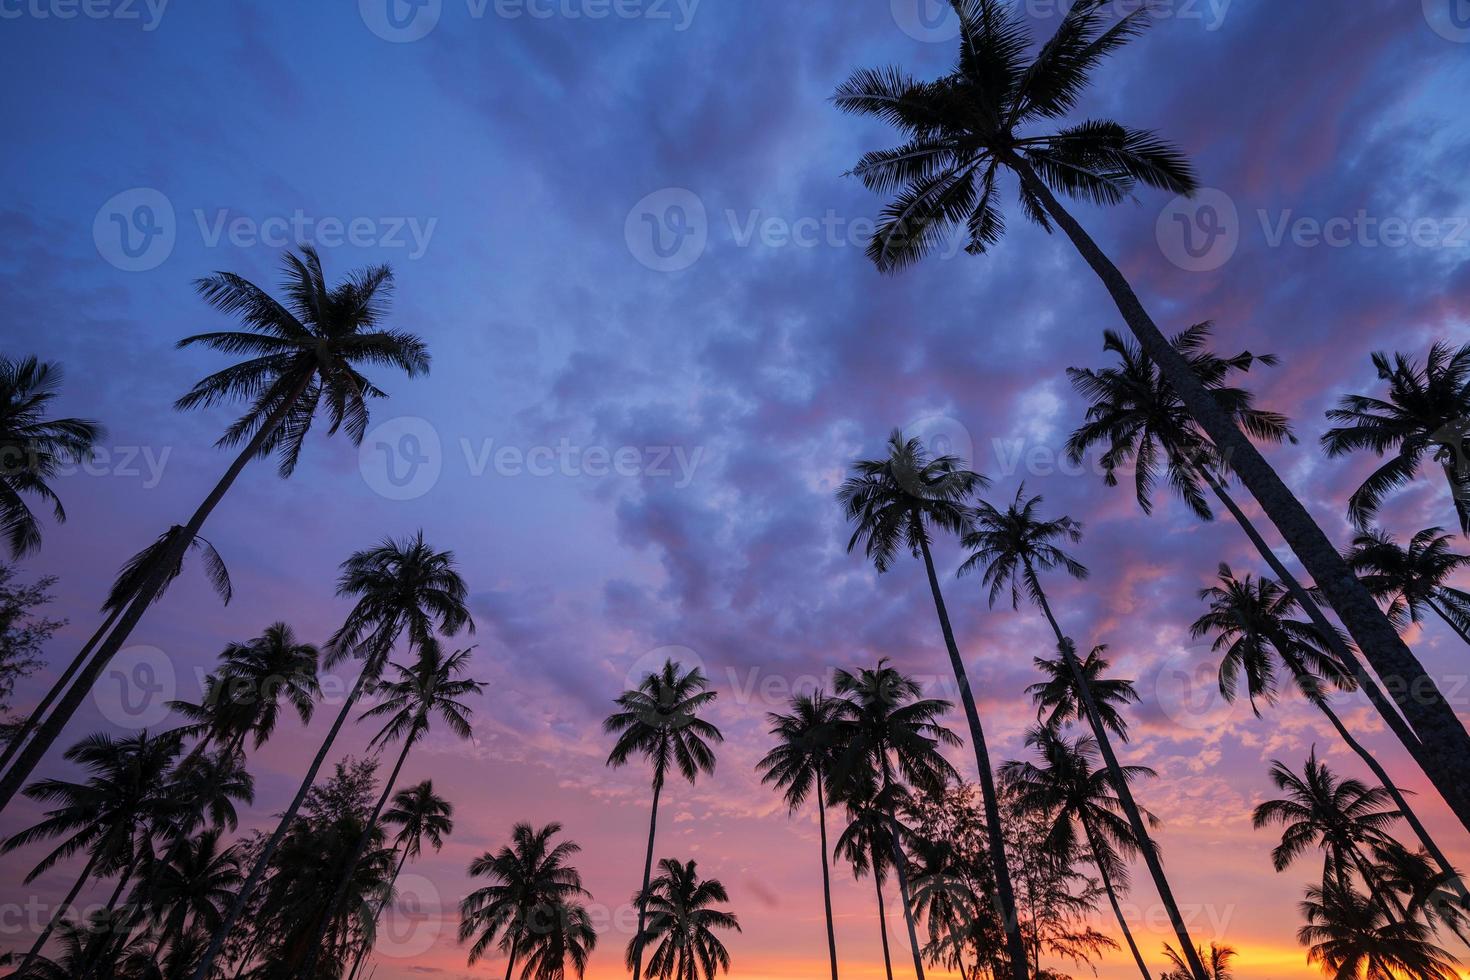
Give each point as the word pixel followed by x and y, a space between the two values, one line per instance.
pixel 624 232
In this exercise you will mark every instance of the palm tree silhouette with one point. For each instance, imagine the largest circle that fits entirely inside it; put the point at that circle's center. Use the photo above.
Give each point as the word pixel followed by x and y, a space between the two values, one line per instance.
pixel 1059 696
pixel 896 503
pixel 1218 961
pixel 1251 622
pixel 431 687
pixel 889 734
pixel 301 358
pixel 1010 549
pixel 1137 415
pixel 659 720
pixel 1426 413
pixel 530 907
pixel 967 126
pixel 420 814
pixel 34 447
pixel 1350 935
pixel 802 762
pixel 1073 792
pixel 683 925
pixel 943 896
pixel 402 587
pixel 1413 578
pixel 191 892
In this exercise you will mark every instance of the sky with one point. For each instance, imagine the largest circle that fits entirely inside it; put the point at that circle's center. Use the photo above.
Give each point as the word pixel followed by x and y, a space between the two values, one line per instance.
pixel 624 230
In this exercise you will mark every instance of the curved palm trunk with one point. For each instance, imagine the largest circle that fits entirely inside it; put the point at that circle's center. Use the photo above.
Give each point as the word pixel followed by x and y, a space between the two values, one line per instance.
pixel 97 947
pixel 367 940
pixel 1107 882
pixel 826 875
pixel 1448 621
pixel 345 881
pixel 1125 795
pixel 217 941
pixel 882 918
pixel 51 728
pixel 1413 690
pixel 900 867
pixel 658 785
pixel 33 720
pixel 66 903
pixel 1005 894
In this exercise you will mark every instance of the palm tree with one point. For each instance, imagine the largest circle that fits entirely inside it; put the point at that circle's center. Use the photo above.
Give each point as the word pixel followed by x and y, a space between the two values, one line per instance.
pixel 1251 622
pixel 420 814
pixel 302 357
pixel 531 906
pixel 1135 413
pixel 192 890
pixel 992 112
pixel 1426 413
pixel 431 687
pixel 1058 698
pixel 659 720
pixel 272 671
pixel 802 762
pixel 401 587
pixel 867 844
pixel 1354 938
pixel 944 897
pixel 1218 963
pixel 1011 548
pixel 1073 793
pixel 888 732
pixel 110 816
pixel 683 925
pixel 1337 816
pixel 1411 579
pixel 34 447
pixel 896 503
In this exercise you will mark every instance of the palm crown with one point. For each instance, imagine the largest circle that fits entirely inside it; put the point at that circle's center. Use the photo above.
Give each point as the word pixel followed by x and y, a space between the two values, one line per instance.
pixel 33 447
pixel 995 111
pixel 430 686
pixel 659 719
pixel 1351 935
pixel 1413 576
pixel 1059 699
pixel 420 815
pixel 683 922
pixel 1322 810
pixel 888 731
pixel 1010 546
pixel 806 744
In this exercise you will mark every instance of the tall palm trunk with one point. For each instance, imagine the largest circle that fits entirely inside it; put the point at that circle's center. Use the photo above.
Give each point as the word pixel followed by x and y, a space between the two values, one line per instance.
pixel 826 875
pixel 1412 689
pixel 511 963
pixel 33 720
pixel 345 881
pixel 882 915
pixel 900 867
pixel 51 728
pixel 242 897
pixel 1004 893
pixel 66 903
pixel 367 939
pixel 1125 795
pixel 658 785
pixel 1107 882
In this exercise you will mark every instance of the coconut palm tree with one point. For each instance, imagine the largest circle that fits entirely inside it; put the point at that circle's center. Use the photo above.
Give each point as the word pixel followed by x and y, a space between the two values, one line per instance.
pixel 659 720
pixel 273 671
pixel 1070 790
pixel 994 112
pixel 420 814
pixel 431 688
pixel 1058 697
pixel 530 907
pixel 867 844
pixel 34 447
pixel 402 588
pixel 1253 629
pixel 1339 817
pixel 1426 413
pixel 1010 549
pixel 801 762
pixel 1217 963
pixel 302 358
pixel 898 503
pixel 191 891
pixel 1138 417
pixel 944 897
pixel 1413 578
pixel 683 927
pixel 1353 937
